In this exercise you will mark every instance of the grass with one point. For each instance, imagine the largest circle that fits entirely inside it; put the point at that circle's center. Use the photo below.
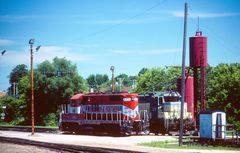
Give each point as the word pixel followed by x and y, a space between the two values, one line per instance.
pixel 174 145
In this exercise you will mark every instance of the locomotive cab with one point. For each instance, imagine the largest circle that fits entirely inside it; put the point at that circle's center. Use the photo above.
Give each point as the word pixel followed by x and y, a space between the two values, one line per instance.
pixel 164 110
pixel 74 106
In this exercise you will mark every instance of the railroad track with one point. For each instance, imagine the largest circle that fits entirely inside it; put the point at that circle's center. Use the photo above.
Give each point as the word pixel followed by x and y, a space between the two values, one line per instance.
pixel 29 129
pixel 64 147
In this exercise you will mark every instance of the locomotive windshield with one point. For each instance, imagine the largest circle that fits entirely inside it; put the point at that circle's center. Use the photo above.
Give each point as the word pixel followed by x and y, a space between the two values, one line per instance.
pixel 171 98
pixel 74 103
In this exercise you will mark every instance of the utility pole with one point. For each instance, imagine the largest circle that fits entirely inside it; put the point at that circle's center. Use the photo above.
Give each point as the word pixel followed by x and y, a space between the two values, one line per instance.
pixel 14 89
pixel 133 84
pixel 112 69
pixel 120 83
pixel 183 76
pixel 31 42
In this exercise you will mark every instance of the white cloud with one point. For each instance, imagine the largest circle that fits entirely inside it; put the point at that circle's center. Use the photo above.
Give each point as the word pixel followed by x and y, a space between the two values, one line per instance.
pixel 44 53
pixel 5 42
pixel 49 52
pixel 148 52
pixel 14 18
pixel 203 15
pixel 122 51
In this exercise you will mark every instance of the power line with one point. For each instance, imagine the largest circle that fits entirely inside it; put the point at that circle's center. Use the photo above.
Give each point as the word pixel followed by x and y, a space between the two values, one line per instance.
pixel 174 57
pixel 120 23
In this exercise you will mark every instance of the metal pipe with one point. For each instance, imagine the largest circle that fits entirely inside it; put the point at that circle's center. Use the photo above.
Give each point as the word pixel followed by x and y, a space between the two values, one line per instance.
pixel 195 76
pixel 202 80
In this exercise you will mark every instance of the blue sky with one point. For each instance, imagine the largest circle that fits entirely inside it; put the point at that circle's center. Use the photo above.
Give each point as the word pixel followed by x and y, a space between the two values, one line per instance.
pixel 129 34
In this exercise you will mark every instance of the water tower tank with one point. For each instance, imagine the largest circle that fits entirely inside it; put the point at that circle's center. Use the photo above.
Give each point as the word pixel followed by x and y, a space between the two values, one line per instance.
pixel 198 50
pixel 189 92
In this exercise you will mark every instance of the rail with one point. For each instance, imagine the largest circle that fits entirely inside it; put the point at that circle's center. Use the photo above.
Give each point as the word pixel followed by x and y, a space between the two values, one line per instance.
pixel 63 147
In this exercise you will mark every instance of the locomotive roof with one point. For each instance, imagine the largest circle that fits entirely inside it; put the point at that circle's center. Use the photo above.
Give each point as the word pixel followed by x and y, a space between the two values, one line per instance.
pixel 109 94
pixel 79 96
pixel 161 93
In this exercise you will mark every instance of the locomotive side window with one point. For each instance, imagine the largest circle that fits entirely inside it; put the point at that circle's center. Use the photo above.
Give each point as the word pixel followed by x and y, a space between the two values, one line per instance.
pixel 85 100
pixel 115 98
pixel 171 98
pixel 73 103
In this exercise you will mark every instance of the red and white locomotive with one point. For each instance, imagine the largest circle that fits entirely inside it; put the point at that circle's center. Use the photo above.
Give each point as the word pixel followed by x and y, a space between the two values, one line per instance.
pixel 114 113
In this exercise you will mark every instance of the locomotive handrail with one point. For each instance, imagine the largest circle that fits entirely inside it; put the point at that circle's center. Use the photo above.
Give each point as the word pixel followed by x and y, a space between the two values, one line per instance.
pixel 109 116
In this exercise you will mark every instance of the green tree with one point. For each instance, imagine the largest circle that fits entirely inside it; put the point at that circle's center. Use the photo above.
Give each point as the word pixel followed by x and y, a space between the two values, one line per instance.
pixel 55 82
pixel 15 76
pixel 171 75
pixel 12 110
pixel 17 73
pixel 91 80
pixel 152 80
pixel 56 89
pixel 142 71
pixel 125 79
pixel 97 81
pixel 101 79
pixel 157 79
pixel 223 91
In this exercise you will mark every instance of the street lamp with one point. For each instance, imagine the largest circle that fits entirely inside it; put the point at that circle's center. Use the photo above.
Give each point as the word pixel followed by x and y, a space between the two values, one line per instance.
pixel 31 42
pixel 3 52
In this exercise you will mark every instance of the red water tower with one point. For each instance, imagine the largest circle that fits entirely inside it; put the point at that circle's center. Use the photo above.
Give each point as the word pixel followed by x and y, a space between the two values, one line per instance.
pixel 198 51
pixel 189 92
pixel 198 61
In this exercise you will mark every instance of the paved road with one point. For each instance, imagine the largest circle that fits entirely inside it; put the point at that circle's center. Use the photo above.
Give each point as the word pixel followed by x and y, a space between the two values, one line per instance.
pixel 128 142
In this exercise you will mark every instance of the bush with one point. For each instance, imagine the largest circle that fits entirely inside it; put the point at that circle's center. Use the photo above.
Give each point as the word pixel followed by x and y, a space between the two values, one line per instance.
pixel 50 120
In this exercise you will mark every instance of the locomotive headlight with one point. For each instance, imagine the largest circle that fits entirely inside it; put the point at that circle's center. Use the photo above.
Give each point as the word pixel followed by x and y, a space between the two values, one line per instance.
pixel 126 99
pixel 134 98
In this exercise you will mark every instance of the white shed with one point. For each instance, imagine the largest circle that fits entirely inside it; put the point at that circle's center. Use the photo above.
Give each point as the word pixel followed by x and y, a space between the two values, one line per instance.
pixel 212 124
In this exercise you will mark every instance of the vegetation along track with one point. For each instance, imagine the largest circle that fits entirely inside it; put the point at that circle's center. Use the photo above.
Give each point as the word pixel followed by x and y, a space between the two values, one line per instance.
pixel 62 147
pixel 29 129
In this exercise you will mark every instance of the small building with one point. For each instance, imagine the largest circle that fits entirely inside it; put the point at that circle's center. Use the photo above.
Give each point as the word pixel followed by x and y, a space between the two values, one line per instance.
pixel 3 93
pixel 212 124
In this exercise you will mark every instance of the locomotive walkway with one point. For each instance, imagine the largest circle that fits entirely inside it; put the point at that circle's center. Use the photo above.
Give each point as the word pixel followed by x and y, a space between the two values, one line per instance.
pixel 99 143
